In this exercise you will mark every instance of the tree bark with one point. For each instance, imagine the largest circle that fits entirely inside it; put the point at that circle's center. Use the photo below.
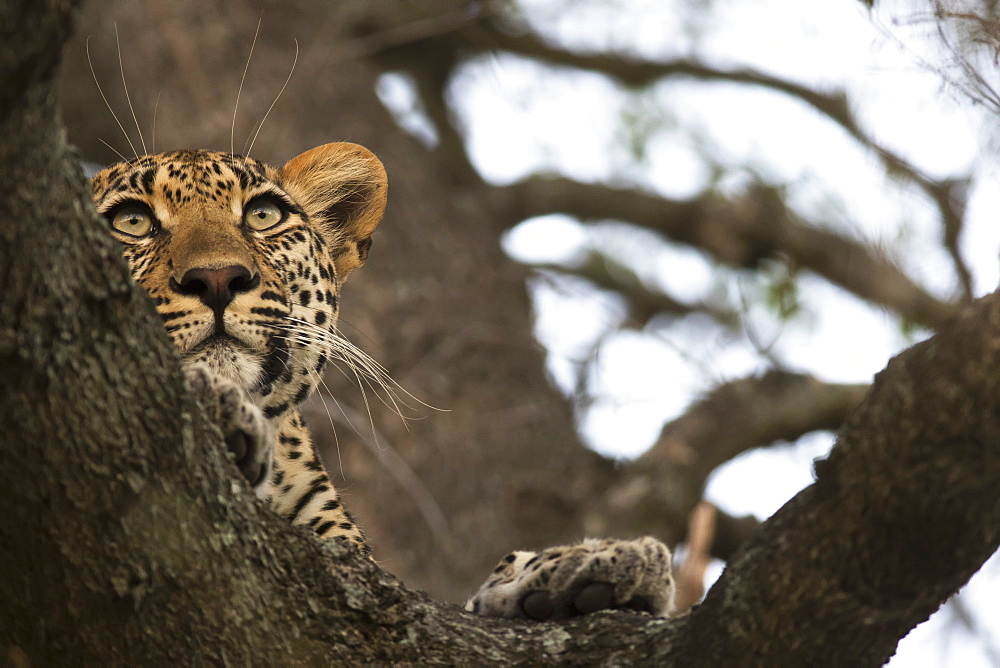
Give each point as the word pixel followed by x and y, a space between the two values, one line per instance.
pixel 903 512
pixel 127 538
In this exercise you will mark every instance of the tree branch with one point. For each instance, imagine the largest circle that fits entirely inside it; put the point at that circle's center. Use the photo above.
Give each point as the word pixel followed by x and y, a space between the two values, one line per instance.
pixel 485 34
pixel 911 490
pixel 431 57
pixel 427 49
pixel 644 302
pixel 739 233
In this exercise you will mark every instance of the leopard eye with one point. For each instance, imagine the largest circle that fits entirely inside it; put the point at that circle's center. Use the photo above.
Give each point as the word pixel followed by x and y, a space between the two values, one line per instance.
pixel 263 214
pixel 135 220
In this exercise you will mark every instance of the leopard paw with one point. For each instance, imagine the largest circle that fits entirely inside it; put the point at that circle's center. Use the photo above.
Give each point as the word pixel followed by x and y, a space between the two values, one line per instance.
pixel 579 579
pixel 247 432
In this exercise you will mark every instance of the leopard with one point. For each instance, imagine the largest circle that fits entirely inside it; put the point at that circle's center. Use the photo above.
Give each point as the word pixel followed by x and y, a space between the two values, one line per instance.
pixel 244 263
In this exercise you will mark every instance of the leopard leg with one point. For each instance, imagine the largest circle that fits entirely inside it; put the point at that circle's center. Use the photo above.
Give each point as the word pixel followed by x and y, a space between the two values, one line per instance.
pixel 300 490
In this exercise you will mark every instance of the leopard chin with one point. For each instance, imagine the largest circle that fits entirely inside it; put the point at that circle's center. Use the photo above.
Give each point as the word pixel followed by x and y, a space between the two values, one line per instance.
pixel 230 359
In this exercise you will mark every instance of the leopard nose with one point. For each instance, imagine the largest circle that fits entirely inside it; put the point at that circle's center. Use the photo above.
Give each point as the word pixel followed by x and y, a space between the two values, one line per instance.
pixel 216 288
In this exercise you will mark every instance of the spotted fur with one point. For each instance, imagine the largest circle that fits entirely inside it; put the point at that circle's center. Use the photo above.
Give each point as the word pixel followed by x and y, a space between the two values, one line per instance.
pixel 227 292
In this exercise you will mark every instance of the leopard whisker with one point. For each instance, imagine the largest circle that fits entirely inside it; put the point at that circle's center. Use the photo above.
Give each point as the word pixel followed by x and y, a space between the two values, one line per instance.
pixel 341 321
pixel 156 105
pixel 362 375
pixel 351 354
pixel 367 371
pixel 339 327
pixel 339 349
pixel 108 104
pixel 276 98
pixel 336 439
pixel 360 381
pixel 364 398
pixel 121 66
pixel 246 68
pixel 112 148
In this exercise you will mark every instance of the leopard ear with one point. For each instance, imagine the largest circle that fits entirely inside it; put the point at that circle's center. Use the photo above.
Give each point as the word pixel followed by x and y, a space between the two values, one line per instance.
pixel 342 188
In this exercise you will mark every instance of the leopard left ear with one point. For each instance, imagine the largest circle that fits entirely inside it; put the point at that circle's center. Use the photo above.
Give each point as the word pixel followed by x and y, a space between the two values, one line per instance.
pixel 342 188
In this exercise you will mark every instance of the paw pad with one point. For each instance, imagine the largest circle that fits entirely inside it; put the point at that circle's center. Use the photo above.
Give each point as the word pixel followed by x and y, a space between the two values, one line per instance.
pixel 537 605
pixel 594 596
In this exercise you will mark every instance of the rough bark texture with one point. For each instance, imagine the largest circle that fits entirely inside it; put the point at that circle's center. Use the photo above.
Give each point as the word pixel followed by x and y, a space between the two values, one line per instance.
pixel 127 539
pixel 903 512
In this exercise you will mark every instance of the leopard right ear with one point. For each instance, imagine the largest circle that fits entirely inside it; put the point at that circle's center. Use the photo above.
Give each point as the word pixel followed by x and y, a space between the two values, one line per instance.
pixel 342 188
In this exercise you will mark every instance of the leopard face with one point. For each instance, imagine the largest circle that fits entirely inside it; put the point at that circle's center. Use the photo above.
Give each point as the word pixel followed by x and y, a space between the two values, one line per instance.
pixel 245 261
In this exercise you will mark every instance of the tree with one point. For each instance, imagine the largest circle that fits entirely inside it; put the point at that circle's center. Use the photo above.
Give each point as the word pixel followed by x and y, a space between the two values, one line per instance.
pixel 452 522
pixel 100 574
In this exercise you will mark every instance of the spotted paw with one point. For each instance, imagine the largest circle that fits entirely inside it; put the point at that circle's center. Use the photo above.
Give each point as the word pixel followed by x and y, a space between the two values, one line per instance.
pixel 247 432
pixel 579 579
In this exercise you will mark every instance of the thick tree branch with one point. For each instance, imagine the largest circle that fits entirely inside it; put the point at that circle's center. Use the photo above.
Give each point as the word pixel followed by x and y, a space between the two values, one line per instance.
pixel 430 56
pixel 949 201
pixel 738 233
pixel 912 480
pixel 644 302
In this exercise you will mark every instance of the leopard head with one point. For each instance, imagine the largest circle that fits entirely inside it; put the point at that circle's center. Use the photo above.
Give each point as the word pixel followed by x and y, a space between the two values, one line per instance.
pixel 245 261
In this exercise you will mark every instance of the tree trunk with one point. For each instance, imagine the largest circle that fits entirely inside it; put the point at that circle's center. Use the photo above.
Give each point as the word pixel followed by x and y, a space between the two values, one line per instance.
pixel 126 537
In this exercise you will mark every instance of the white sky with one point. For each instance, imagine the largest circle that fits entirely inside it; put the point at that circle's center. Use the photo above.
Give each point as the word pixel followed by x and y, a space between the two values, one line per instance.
pixel 522 118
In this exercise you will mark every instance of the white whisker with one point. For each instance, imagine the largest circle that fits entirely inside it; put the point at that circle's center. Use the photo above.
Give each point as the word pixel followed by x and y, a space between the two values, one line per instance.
pixel 105 98
pixel 361 377
pixel 124 159
pixel 121 66
pixel 366 371
pixel 336 439
pixel 276 98
pixel 300 338
pixel 345 351
pixel 364 399
pixel 232 128
pixel 253 128
pixel 156 105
